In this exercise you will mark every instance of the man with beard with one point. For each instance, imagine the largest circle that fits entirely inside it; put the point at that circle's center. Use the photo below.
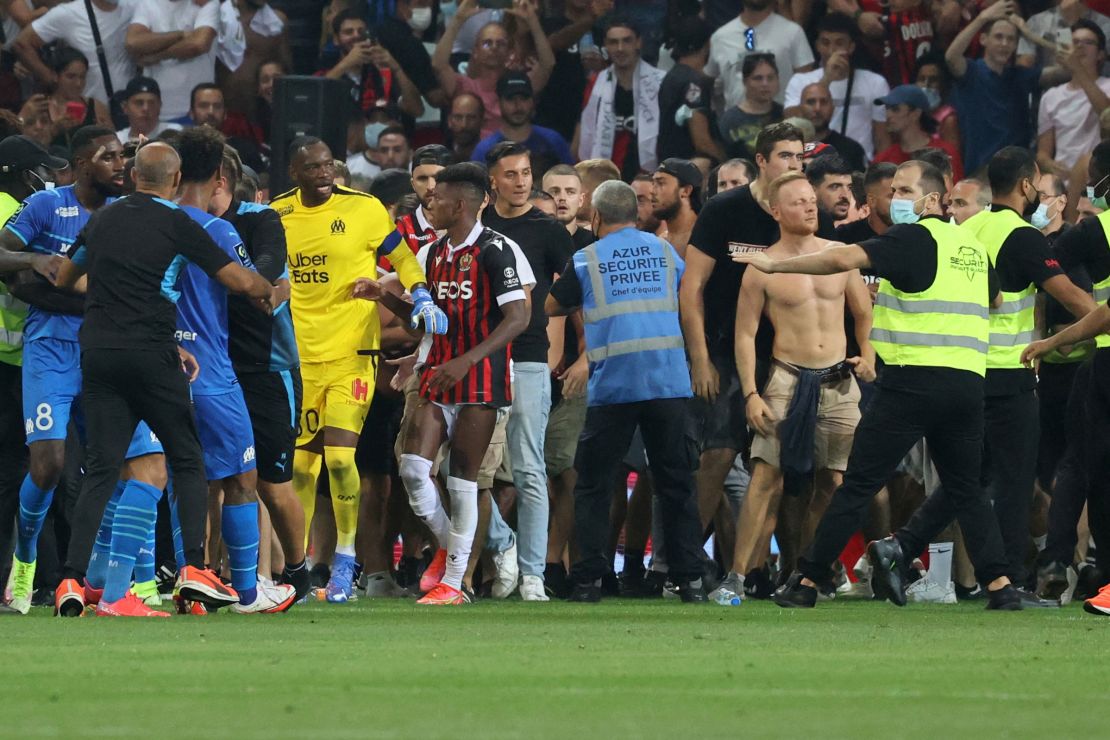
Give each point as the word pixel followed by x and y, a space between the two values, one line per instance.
pixel 518 105
pixel 464 124
pixel 676 199
pixel 427 162
pixel 816 106
pixel 831 178
pixel 207 108
pixel 49 223
pixel 876 183
pixel 646 219
pixel 547 247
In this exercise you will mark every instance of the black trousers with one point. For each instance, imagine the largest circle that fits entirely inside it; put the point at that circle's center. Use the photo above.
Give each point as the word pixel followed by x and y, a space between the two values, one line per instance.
pixel 119 388
pixel 1054 384
pixel 672 456
pixel 1097 430
pixel 947 410
pixel 13 458
pixel 1069 491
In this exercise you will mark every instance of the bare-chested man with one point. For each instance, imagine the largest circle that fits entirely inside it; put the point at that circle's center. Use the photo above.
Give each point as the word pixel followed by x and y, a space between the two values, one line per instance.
pixel 806 416
pixel 676 199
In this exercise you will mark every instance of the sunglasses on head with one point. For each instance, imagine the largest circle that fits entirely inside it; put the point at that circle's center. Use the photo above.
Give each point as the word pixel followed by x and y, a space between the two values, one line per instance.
pixel 749 39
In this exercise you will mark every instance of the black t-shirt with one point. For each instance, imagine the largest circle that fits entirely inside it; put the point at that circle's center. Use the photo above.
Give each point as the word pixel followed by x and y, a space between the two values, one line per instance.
pixel 558 106
pixel 130 249
pixel 581 238
pixel 729 223
pixel 855 232
pixel 906 255
pixel 1054 311
pixel 547 246
pixel 683 85
pixel 849 149
pixel 1085 245
pixel 626 150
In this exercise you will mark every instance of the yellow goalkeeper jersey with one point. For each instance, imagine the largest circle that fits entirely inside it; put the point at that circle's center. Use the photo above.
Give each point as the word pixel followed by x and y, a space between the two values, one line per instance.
pixel 329 246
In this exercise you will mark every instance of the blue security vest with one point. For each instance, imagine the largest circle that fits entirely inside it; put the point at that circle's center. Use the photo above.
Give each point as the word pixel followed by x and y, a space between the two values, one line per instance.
pixel 630 306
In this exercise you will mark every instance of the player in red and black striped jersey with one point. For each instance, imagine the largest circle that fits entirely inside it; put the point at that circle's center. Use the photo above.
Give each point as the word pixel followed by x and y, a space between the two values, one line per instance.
pixel 474 279
pixel 427 162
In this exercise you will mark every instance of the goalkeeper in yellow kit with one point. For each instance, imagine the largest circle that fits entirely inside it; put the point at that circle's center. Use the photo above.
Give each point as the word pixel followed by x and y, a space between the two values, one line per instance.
pixel 336 235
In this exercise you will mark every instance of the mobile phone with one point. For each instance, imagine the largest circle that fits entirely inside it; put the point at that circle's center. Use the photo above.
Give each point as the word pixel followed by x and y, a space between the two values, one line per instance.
pixel 495 4
pixel 75 111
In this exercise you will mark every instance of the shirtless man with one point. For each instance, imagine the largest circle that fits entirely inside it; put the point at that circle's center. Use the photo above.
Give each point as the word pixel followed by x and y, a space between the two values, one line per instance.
pixel 809 348
pixel 676 199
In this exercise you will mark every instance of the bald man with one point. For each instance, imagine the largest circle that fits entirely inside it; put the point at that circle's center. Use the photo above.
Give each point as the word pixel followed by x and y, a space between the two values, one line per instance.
pixel 133 370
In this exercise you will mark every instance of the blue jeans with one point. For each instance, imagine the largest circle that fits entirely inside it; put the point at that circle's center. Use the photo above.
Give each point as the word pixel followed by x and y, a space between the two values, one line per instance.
pixel 526 431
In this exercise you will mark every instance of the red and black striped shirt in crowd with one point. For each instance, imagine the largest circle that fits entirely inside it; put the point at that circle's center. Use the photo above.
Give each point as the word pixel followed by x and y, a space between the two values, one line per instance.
pixel 470 283
pixel 416 230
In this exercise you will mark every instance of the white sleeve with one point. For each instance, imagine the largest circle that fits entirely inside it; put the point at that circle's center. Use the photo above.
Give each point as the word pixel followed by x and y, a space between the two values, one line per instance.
pixel 523 268
pixel 882 88
pixel 56 22
pixel 1044 114
pixel 145 14
pixel 793 95
pixel 803 55
pixel 209 16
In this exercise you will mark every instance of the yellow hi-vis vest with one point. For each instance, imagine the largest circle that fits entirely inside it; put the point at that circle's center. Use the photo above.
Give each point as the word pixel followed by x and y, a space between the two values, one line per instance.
pixel 1012 323
pixel 1101 290
pixel 947 324
pixel 13 312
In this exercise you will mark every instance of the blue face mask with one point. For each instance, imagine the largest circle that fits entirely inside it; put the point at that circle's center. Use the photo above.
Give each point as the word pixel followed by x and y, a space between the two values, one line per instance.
pixel 372 132
pixel 902 212
pixel 448 9
pixel 932 96
pixel 1040 218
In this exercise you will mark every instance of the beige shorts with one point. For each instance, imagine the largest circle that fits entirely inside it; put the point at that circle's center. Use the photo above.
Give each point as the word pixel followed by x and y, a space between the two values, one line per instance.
pixel 494 453
pixel 837 416
pixel 564 427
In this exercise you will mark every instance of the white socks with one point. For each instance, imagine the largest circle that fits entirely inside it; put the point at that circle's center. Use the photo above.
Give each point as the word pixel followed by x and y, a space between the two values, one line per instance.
pixel 416 473
pixel 464 522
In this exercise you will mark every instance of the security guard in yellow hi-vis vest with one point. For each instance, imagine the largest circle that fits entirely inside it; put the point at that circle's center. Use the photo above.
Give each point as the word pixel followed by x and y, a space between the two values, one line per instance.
pixel 1024 262
pixel 1088 245
pixel 931 329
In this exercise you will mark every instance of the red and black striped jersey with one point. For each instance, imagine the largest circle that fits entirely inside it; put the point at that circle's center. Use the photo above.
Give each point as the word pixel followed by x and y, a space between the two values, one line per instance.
pixel 416 230
pixel 470 283
pixel 909 36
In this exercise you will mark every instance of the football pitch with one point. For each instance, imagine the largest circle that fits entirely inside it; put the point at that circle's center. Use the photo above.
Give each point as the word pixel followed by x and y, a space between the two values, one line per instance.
pixel 621 669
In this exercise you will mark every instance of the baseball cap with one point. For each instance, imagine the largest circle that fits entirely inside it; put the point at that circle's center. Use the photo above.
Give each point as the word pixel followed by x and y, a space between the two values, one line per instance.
pixel 141 85
pixel 19 153
pixel 911 95
pixel 683 170
pixel 514 83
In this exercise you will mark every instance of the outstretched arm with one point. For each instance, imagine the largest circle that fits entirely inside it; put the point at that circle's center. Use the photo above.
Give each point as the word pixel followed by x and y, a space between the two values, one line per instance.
pixel 826 262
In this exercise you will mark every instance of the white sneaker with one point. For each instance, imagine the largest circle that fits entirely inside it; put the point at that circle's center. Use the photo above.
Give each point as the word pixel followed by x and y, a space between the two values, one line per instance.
pixel 862 568
pixel 382 586
pixel 272 598
pixel 531 589
pixel 928 592
pixel 508 573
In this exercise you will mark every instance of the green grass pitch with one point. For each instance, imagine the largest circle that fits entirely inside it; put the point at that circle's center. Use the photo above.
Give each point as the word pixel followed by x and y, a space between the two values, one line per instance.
pixel 621 669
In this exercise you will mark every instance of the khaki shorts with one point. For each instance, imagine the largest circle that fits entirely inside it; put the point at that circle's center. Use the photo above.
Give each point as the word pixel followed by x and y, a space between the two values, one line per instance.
pixel 494 453
pixel 564 427
pixel 837 416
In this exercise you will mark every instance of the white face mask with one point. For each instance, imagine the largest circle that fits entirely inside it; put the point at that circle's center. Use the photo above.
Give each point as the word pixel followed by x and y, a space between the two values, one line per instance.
pixel 421 19
pixel 46 184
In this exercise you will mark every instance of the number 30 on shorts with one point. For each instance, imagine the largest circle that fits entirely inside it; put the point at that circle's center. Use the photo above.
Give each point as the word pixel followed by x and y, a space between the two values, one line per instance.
pixel 309 420
pixel 43 420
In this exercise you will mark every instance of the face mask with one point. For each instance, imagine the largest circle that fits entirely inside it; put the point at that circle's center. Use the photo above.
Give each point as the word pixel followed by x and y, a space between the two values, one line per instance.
pixel 46 184
pixel 372 132
pixel 1099 202
pixel 932 96
pixel 902 212
pixel 1040 219
pixel 448 9
pixel 421 19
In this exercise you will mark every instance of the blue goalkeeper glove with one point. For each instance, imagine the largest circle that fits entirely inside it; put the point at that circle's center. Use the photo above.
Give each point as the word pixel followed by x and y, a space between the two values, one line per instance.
pixel 426 312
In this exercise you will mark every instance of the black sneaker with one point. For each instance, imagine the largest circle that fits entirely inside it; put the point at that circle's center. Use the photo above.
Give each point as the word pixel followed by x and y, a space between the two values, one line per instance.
pixel 1005 599
pixel 758 584
pixel 691 592
pixel 888 570
pixel 610 586
pixel 555 582
pixel 710 573
pixel 649 586
pixel 1052 580
pixel 320 575
pixel 1091 579
pixel 299 579
pixel 586 593
pixel 975 593
pixel 1030 600
pixel 794 595
pixel 166 577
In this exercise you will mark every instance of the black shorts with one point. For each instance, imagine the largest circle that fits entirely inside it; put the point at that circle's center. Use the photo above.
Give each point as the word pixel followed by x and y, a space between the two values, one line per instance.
pixel 274 404
pixel 374 453
pixel 723 423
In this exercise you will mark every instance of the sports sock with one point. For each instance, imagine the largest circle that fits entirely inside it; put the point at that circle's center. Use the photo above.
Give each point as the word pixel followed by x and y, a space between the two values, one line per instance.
pixel 240 530
pixel 175 528
pixel 34 502
pixel 296 575
pixel 98 561
pixel 135 516
pixel 464 521
pixel 306 471
pixel 416 474
pixel 345 490
pixel 144 562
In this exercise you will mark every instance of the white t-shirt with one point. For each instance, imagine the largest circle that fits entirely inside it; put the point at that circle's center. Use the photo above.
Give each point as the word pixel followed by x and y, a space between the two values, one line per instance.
pixel 358 164
pixel 862 111
pixel 178 77
pixel 728 47
pixel 70 22
pixel 1067 111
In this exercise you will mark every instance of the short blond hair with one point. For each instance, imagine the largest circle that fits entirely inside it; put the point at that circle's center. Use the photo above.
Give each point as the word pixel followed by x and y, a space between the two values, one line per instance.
pixel 780 182
pixel 593 172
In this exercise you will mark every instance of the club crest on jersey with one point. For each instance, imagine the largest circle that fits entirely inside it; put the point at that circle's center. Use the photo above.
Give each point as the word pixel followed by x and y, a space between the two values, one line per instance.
pixel 338 227
pixel 466 261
